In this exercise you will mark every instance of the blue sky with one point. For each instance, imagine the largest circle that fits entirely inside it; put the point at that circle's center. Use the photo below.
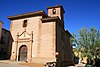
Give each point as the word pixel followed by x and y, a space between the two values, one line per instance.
pixel 78 13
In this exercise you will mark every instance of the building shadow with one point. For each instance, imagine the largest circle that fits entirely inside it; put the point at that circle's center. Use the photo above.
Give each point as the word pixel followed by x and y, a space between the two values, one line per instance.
pixel 76 59
pixel 6 46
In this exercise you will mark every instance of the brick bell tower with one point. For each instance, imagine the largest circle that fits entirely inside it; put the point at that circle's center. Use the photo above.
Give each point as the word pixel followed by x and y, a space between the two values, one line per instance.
pixel 54 11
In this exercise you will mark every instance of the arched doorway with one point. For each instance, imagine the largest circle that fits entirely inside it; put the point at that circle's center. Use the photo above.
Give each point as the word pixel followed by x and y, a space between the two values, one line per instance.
pixel 22 53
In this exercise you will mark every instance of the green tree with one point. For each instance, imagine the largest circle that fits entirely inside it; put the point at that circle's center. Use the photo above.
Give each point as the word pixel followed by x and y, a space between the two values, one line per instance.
pixel 88 42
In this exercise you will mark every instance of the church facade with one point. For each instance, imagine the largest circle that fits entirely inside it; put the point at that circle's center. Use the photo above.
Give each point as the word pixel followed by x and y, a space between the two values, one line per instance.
pixel 39 37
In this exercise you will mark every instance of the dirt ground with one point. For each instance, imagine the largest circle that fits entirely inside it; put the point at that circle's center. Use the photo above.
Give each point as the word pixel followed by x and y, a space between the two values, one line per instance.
pixel 32 64
pixel 9 63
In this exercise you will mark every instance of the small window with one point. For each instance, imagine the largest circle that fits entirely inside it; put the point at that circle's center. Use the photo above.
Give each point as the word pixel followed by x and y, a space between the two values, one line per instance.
pixel 25 23
pixel 54 11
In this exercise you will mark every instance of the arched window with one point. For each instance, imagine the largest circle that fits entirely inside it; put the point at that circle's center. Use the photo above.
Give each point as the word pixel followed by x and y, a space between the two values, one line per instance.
pixel 25 23
pixel 54 11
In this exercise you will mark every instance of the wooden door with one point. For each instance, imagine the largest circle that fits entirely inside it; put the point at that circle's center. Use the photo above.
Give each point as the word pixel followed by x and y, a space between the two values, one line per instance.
pixel 22 53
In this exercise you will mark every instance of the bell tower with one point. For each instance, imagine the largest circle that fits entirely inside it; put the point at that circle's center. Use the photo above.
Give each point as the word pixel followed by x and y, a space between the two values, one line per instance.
pixel 56 11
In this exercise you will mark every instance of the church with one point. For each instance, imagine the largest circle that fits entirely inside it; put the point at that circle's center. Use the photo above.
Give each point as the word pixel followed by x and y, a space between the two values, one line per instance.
pixel 40 38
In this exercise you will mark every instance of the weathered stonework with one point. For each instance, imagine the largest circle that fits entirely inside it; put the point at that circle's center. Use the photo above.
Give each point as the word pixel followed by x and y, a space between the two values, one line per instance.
pixel 43 36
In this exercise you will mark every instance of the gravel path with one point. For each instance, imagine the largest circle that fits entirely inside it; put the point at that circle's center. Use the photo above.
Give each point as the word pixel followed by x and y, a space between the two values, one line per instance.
pixel 8 63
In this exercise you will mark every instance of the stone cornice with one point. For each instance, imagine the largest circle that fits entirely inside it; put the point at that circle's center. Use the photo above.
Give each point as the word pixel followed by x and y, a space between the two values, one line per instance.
pixel 68 33
pixel 5 30
pixel 50 19
pixel 56 7
pixel 30 14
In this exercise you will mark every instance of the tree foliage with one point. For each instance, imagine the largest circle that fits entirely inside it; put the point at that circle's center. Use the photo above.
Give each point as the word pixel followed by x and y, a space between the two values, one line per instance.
pixel 88 42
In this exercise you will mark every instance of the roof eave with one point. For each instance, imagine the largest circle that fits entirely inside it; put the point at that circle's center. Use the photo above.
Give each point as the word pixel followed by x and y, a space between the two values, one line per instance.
pixel 5 29
pixel 30 14
pixel 1 22
pixel 49 19
pixel 68 33
pixel 56 6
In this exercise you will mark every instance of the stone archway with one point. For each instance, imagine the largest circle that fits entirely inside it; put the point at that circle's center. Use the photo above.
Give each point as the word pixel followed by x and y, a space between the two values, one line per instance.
pixel 22 53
